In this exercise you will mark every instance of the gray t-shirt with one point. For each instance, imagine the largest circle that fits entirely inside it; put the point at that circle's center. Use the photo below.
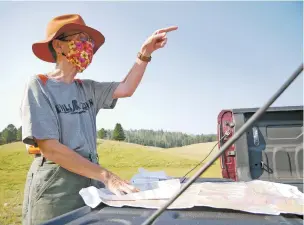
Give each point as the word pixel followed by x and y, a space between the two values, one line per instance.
pixel 65 112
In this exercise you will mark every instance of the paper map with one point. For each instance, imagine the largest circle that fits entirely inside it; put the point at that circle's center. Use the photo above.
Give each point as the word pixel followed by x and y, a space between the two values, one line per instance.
pixel 254 196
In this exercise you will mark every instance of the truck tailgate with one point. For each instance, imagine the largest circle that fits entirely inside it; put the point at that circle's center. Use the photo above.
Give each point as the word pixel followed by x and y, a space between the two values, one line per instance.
pixel 198 215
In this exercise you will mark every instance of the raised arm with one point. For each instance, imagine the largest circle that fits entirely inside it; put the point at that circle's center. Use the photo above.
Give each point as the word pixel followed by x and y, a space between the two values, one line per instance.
pixel 130 83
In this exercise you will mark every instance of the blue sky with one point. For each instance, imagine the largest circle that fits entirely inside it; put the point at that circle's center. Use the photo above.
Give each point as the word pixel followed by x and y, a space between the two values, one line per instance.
pixel 218 46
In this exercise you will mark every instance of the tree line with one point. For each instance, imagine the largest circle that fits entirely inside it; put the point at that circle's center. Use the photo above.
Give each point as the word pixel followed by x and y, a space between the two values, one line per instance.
pixel 10 134
pixel 159 138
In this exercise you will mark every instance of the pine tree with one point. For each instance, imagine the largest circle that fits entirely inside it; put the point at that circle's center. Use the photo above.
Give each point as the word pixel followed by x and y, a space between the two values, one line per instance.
pixel 1 139
pixel 118 133
pixel 19 134
pixel 9 134
pixel 101 133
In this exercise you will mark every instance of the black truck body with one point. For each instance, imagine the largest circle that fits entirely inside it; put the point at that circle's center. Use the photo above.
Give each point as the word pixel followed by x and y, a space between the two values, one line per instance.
pixel 271 150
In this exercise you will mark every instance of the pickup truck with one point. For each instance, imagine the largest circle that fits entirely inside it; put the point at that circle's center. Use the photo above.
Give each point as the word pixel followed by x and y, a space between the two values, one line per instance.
pixel 271 150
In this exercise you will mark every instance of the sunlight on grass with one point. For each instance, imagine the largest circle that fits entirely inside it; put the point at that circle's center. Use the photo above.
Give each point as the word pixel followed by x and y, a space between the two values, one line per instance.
pixel 122 158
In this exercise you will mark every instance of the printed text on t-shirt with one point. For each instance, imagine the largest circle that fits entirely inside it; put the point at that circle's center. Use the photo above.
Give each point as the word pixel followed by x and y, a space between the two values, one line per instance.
pixel 74 107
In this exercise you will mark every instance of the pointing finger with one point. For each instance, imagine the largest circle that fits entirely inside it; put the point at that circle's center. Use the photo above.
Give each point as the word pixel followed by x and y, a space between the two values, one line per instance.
pixel 167 29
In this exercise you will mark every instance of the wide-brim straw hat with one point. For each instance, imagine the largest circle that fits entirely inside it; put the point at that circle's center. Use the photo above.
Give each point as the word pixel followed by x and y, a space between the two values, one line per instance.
pixel 58 26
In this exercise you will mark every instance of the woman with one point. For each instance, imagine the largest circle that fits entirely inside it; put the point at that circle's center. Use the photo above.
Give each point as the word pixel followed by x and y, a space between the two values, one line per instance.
pixel 59 117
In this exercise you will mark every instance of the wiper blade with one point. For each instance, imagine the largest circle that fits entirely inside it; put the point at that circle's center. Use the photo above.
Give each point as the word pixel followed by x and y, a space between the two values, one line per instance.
pixel 234 138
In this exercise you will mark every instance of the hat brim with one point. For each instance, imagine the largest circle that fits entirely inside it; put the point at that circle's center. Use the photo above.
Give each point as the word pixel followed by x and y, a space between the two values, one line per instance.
pixel 42 51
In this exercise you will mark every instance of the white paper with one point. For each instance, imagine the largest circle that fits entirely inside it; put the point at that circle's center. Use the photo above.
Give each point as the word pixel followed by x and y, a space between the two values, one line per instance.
pixel 147 180
pixel 90 196
pixel 165 189
pixel 254 196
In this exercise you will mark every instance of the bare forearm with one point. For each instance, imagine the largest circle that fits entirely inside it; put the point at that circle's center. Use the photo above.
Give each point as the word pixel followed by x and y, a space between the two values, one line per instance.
pixel 72 161
pixel 135 75
pixel 130 83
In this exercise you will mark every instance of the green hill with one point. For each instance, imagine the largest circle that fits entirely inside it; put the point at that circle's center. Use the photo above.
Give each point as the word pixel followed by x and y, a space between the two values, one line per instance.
pixel 122 158
pixel 193 152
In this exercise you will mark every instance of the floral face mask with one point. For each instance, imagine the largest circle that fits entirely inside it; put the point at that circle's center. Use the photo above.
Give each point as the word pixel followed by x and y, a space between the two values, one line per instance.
pixel 80 54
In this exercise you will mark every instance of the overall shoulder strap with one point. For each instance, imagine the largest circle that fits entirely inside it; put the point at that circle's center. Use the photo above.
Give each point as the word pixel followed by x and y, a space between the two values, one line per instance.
pixel 43 78
pixel 78 81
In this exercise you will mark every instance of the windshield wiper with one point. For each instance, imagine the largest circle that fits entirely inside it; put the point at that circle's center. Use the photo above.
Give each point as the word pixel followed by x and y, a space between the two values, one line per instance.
pixel 234 138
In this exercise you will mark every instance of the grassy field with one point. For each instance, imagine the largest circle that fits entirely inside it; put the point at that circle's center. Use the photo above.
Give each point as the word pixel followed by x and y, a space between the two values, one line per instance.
pixel 194 152
pixel 122 158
